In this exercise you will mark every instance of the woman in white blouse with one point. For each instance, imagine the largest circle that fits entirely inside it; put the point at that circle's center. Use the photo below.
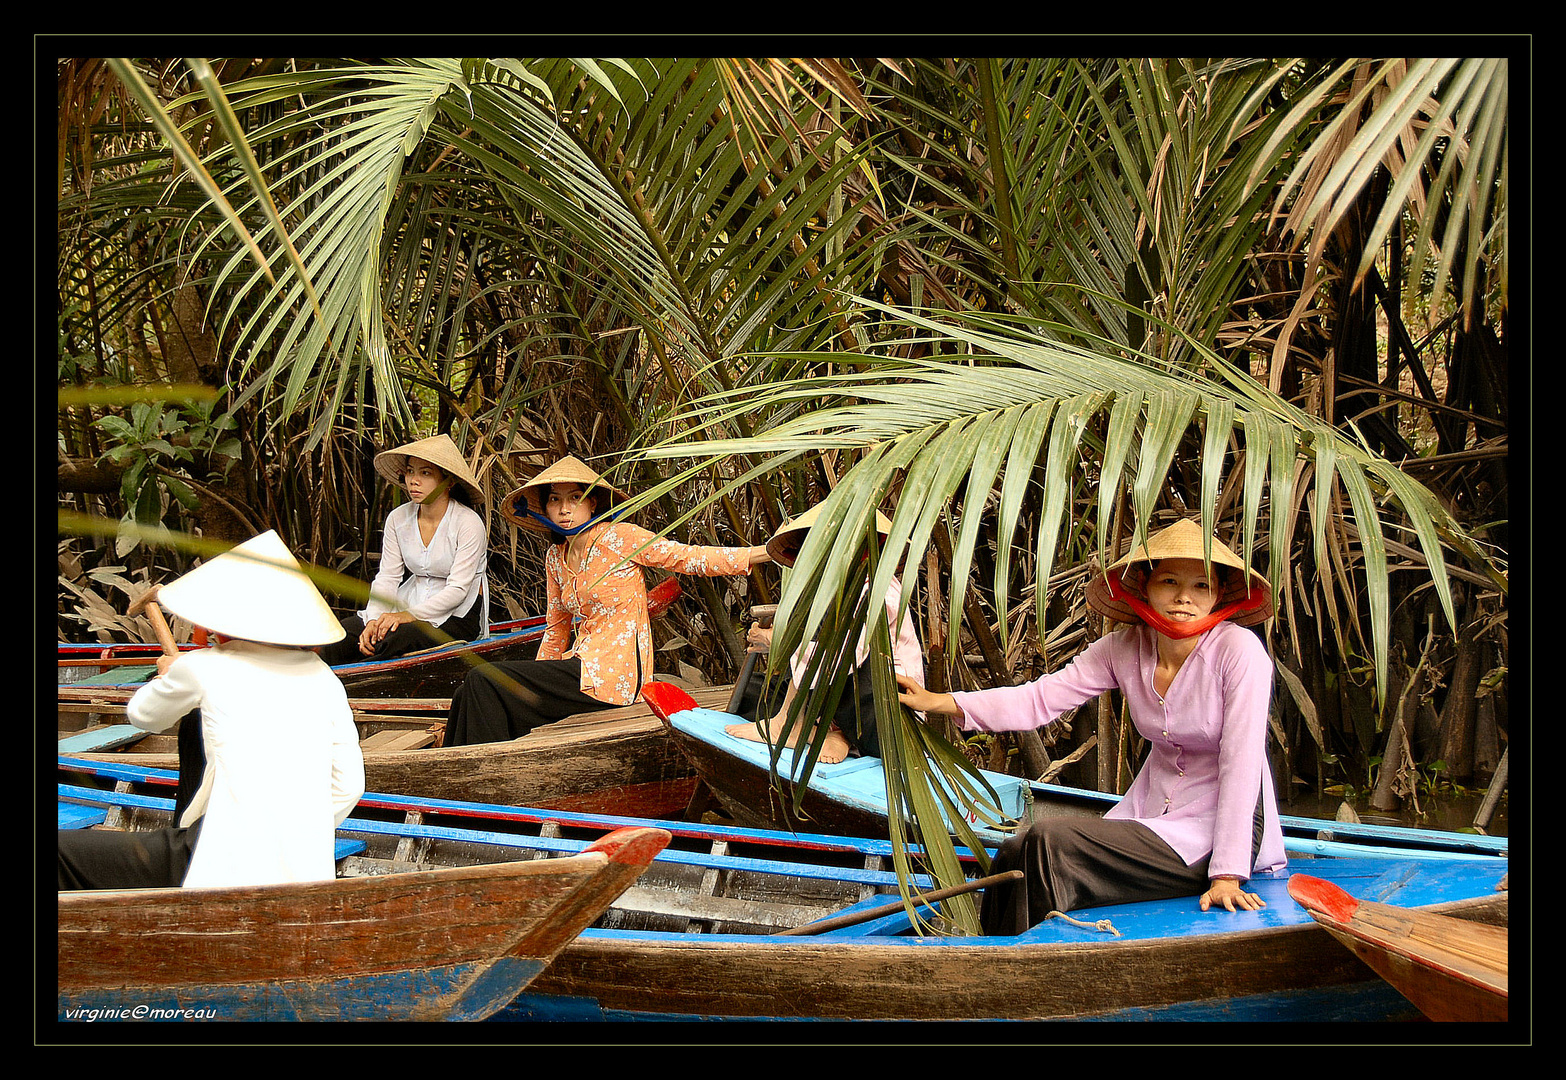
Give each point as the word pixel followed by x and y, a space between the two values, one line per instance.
pixel 431 585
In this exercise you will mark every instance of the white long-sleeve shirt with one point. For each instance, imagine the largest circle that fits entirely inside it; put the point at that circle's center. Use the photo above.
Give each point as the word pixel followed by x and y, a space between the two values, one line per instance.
pixel 445 577
pixel 283 767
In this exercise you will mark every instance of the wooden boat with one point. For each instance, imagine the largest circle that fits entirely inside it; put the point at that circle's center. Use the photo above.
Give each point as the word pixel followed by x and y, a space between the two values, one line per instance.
pixel 850 796
pixel 1452 970
pixel 111 674
pixel 616 760
pixel 700 936
pixel 447 944
pixel 611 761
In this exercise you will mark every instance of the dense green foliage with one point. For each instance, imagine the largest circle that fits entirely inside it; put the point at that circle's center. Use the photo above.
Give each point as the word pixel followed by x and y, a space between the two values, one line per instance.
pixel 1027 307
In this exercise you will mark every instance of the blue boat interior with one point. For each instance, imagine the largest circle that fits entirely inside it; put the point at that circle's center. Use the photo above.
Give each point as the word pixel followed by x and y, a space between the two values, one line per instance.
pixel 1385 878
pixel 856 781
pixel 860 782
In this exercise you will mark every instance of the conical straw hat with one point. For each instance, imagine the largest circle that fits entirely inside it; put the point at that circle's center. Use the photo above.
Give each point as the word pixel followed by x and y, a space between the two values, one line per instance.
pixel 438 450
pixel 568 470
pixel 256 591
pixel 790 537
pixel 1182 540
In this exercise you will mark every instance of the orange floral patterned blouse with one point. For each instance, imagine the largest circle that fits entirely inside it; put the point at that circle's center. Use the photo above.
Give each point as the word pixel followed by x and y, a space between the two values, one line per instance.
pixel 614 635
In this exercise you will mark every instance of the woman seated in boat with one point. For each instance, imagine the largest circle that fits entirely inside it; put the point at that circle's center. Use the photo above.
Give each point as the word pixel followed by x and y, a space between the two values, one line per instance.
pixel 853 730
pixel 593 575
pixel 431 586
pixel 282 762
pixel 1201 815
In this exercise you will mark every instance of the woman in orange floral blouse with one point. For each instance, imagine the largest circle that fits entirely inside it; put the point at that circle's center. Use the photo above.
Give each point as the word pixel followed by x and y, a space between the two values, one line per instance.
pixel 594 579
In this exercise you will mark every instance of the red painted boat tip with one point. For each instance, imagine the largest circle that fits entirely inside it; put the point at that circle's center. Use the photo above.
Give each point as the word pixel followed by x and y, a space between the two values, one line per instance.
pixel 635 845
pixel 666 699
pixel 662 595
pixel 1316 895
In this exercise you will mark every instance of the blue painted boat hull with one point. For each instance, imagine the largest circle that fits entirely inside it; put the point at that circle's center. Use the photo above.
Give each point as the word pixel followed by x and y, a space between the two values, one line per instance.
pixel 468 992
pixel 1161 960
pixel 850 796
pixel 675 959
pixel 412 943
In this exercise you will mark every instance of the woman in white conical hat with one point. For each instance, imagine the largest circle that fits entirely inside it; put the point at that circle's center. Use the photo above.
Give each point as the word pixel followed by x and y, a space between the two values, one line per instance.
pixel 594 584
pixel 1201 817
pixel 432 585
pixel 282 767
pixel 853 729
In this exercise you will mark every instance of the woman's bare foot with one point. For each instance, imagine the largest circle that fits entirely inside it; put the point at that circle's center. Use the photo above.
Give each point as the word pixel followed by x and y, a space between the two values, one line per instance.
pixel 834 750
pixel 748 732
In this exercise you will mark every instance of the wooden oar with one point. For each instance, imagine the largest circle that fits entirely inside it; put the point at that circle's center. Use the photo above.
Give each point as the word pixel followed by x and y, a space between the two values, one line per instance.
pixel 160 627
pixel 857 917
pixel 1451 968
pixel 763 614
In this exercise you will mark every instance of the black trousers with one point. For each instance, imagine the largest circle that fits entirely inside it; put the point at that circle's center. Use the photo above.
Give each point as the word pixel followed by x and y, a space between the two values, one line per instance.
pixel 497 702
pixel 110 859
pixel 407 638
pixel 1087 862
pixel 1083 862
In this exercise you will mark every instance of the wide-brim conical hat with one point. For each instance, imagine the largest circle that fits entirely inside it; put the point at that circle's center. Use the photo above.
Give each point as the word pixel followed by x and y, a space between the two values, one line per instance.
pixel 1182 540
pixel 568 470
pixel 256 591
pixel 439 451
pixel 790 537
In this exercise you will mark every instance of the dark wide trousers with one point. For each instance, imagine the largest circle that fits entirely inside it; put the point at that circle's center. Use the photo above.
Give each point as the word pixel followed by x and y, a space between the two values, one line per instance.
pixel 1083 862
pixel 407 638
pixel 111 859
pixel 497 702
pixel 94 859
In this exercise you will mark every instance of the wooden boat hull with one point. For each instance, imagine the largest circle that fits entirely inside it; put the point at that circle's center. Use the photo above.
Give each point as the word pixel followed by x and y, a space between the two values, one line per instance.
pixel 1451 970
pixel 449 944
pixel 850 797
pixel 429 673
pixel 697 937
pixel 1282 974
pixel 613 761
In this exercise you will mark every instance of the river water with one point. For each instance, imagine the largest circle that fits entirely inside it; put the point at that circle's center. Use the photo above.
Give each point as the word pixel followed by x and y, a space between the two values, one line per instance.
pixel 1450 813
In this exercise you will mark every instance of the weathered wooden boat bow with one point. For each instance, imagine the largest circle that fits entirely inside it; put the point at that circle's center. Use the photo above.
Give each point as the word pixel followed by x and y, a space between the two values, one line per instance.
pixel 452 943
pixel 1450 969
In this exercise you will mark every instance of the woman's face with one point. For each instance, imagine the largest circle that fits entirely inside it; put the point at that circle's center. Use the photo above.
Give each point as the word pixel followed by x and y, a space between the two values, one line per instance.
pixel 421 478
pixel 569 505
pixel 1182 590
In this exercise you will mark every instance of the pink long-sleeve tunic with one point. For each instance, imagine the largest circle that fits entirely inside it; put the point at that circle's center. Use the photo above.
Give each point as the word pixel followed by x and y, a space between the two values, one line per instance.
pixel 1207 737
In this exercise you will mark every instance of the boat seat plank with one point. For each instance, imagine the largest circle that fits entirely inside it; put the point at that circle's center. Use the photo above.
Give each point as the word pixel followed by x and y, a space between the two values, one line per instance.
pixel 719 908
pixel 72 816
pixel 99 739
pixel 397 740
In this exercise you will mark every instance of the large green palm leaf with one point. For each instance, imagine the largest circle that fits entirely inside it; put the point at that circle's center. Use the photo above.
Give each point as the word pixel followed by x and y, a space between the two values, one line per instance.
pixel 993 410
pixel 705 250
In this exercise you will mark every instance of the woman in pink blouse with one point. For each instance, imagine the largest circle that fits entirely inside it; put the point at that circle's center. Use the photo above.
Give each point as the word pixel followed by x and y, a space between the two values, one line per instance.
pixel 1201 815
pixel 593 577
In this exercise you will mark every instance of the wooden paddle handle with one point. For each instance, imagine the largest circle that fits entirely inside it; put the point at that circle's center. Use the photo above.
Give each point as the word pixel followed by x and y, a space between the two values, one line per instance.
pixel 857 917
pixel 160 627
pixel 148 605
